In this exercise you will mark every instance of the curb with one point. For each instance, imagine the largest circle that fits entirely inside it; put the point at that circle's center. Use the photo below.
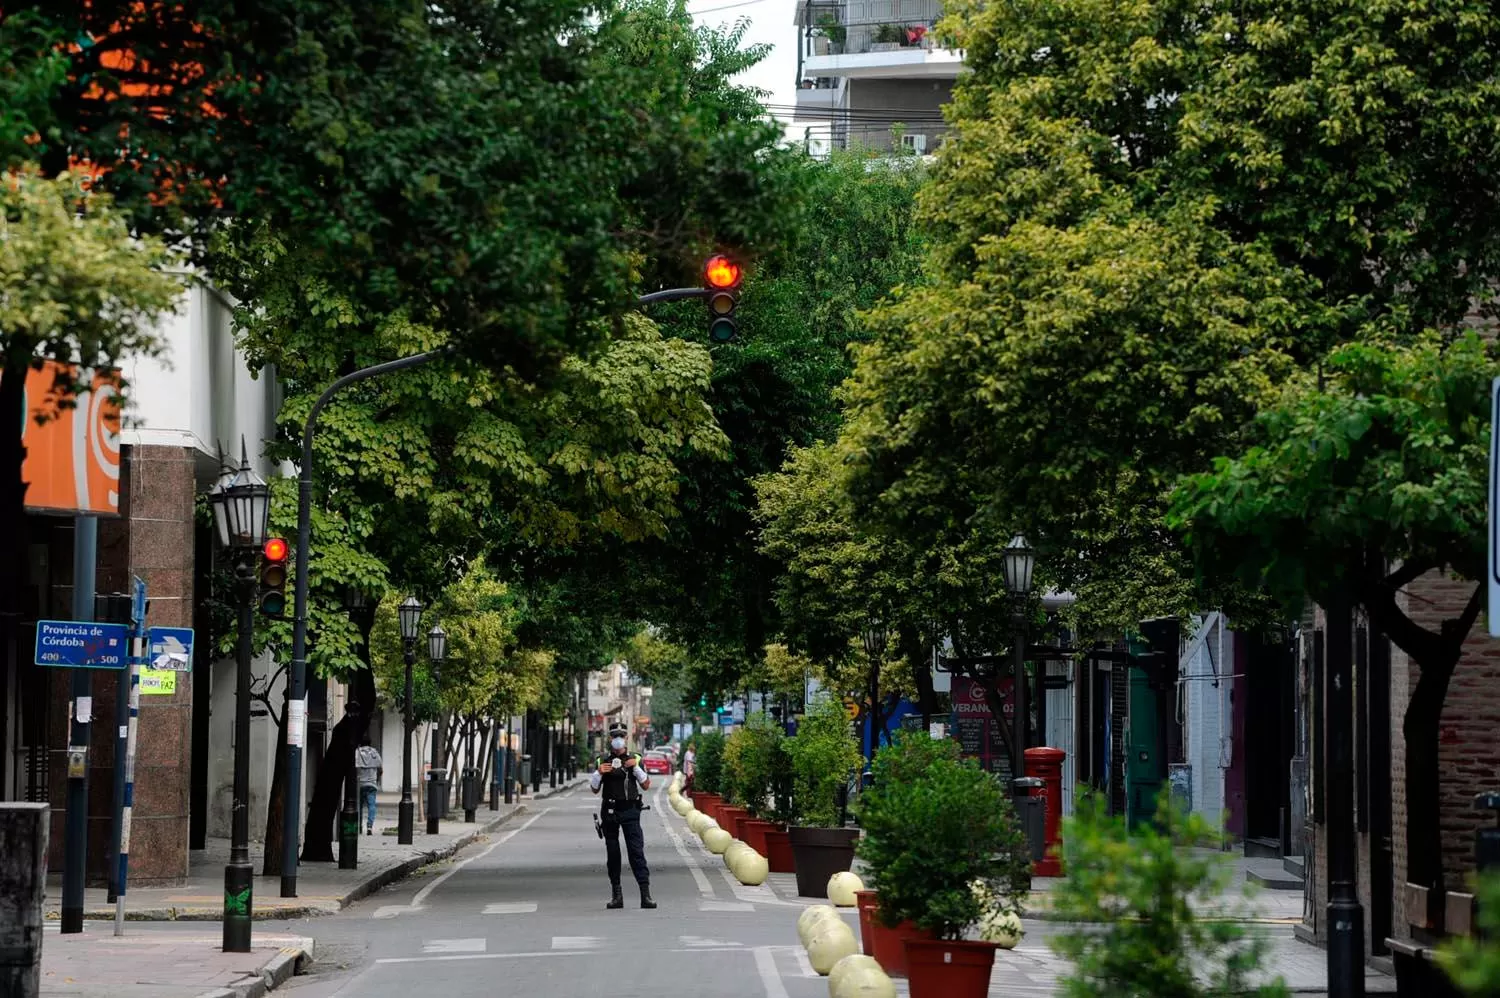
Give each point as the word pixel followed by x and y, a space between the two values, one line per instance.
pixel 357 892
pixel 274 973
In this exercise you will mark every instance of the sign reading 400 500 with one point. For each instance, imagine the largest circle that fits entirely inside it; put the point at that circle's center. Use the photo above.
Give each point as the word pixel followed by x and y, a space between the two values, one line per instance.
pixel 81 644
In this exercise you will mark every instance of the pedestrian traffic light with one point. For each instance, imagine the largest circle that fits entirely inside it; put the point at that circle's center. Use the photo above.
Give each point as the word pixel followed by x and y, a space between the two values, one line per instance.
pixel 703 700
pixel 723 276
pixel 273 578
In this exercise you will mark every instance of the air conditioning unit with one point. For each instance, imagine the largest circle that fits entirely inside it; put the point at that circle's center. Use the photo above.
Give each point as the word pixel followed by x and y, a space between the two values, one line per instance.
pixel 914 143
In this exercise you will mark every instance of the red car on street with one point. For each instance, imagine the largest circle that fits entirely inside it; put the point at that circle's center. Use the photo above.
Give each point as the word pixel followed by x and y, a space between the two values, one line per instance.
pixel 656 764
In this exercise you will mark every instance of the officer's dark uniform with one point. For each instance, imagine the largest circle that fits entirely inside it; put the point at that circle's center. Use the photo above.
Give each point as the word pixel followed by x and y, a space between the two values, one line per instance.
pixel 620 811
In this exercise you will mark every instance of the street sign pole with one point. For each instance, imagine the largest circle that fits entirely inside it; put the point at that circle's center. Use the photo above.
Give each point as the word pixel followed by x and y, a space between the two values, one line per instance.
pixel 75 837
pixel 127 798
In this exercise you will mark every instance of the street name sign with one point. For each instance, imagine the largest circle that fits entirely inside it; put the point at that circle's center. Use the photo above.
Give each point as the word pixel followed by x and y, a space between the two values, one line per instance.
pixel 81 644
pixel 170 649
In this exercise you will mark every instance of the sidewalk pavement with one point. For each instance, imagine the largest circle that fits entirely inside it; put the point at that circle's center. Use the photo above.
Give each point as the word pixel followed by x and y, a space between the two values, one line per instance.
pixel 322 888
pixel 157 961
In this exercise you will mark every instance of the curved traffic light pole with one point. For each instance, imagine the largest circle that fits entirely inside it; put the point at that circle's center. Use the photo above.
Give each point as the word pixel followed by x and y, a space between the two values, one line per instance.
pixel 296 712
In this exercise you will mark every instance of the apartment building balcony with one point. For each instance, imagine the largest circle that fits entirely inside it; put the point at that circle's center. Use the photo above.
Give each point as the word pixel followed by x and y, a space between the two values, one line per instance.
pixel 874 39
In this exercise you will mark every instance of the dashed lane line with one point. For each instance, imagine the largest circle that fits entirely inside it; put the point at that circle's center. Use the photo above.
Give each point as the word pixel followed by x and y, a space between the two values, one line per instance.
pixel 705 888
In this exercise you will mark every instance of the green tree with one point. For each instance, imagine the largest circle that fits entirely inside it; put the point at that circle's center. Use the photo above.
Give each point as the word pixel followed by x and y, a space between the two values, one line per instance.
pixel 1360 484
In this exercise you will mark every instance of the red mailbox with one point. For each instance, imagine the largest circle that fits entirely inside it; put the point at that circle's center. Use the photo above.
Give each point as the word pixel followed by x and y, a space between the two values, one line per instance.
pixel 1047 763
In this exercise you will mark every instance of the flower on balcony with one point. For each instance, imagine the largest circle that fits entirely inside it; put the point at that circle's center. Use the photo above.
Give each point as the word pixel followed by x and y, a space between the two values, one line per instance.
pixel 915 34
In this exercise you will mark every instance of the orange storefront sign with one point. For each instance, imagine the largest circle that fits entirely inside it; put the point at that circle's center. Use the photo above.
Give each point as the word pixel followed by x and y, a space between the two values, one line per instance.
pixel 72 451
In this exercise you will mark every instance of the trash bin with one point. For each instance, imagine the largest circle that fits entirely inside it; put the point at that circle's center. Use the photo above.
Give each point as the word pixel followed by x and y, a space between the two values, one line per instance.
pixel 470 792
pixel 444 792
pixel 526 770
pixel 1031 811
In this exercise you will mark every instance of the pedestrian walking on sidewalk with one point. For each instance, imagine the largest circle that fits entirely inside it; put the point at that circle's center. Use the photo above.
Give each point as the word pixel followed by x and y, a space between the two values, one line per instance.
pixel 689 765
pixel 621 779
pixel 369 764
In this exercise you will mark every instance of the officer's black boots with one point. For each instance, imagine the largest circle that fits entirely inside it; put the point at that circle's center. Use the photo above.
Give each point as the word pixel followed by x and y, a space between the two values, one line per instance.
pixel 646 901
pixel 617 898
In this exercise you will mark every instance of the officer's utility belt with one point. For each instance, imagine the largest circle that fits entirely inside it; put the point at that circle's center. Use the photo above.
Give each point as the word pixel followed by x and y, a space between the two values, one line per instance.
pixel 624 805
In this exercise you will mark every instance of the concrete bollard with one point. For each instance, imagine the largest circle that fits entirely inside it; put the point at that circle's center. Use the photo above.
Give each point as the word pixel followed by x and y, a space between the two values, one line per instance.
pixel 23 880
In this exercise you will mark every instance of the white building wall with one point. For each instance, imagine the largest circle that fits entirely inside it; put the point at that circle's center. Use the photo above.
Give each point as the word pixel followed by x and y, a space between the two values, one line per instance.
pixel 1061 731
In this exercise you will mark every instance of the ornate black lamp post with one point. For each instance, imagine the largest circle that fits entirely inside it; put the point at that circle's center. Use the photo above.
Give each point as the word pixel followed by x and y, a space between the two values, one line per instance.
pixel 410 615
pixel 1018 563
pixel 437 650
pixel 242 508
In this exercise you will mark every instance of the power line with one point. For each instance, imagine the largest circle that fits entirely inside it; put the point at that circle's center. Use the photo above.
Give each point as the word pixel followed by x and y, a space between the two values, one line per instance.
pixel 727 6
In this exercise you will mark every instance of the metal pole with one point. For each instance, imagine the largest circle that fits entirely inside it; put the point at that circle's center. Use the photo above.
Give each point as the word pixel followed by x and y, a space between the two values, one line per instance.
pixel 434 791
pixel 117 829
pixel 127 798
pixel 239 875
pixel 1018 728
pixel 1346 916
pixel 469 793
pixel 405 812
pixel 76 832
pixel 296 689
pixel 507 779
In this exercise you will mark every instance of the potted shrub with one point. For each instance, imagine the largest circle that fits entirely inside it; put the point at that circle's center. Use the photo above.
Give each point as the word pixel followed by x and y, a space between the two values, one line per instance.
pixel 710 769
pixel 901 763
pixel 887 38
pixel 755 754
pixel 778 852
pixel 945 853
pixel 823 753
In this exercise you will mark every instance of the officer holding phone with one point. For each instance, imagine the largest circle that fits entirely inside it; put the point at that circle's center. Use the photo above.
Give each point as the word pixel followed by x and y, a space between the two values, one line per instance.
pixel 621 780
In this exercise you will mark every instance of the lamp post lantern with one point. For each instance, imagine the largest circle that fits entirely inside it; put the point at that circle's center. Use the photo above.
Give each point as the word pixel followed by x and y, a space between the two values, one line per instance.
pixel 1019 561
pixel 410 616
pixel 437 650
pixel 242 509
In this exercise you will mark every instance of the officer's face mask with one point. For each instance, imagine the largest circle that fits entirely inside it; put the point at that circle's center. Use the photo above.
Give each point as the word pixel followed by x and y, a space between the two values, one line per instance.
pixel 617 743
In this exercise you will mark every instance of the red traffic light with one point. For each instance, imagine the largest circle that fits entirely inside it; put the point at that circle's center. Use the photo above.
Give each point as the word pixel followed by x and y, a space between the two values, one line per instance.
pixel 722 272
pixel 275 550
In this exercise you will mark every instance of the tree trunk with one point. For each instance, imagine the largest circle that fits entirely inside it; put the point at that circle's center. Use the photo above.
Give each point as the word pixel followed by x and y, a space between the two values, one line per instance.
pixel 338 765
pixel 1424 714
pixel 14 533
pixel 276 807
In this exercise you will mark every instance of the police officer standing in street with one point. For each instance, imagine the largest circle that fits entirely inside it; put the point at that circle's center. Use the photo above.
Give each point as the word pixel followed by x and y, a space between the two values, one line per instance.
pixel 621 779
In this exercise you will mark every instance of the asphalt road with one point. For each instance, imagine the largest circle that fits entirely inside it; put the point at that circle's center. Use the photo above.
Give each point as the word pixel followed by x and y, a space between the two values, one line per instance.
pixel 522 913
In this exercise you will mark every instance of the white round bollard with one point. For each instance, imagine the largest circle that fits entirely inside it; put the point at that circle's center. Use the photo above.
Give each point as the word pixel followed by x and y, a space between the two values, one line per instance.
pixel 732 855
pixel 1002 929
pixel 682 806
pixel 753 869
pixel 841 888
pixel 859 976
pixel 808 921
pixel 832 941
pixel 717 840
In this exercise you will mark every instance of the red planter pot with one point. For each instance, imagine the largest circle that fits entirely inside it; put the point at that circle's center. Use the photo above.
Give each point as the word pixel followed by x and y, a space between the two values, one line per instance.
pixel 779 856
pixel 755 835
pixel 866 902
pixel 708 804
pixel 731 818
pixel 888 946
pixel 942 969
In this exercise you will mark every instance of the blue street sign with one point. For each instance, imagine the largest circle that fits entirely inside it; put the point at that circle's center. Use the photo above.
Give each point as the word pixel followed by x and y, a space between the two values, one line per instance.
pixel 726 720
pixel 81 644
pixel 170 649
pixel 138 601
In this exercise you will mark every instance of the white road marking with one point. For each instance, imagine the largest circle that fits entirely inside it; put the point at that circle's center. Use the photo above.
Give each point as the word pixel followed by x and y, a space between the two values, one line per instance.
pixel 575 943
pixel 725 906
pixel 770 977
pixel 392 910
pixel 803 963
pixel 510 908
pixel 453 946
pixel 697 942
pixel 416 902
pixel 466 956
pixel 705 888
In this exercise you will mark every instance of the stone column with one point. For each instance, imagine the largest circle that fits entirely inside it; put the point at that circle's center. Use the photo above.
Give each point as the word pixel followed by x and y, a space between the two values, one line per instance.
pixel 23 880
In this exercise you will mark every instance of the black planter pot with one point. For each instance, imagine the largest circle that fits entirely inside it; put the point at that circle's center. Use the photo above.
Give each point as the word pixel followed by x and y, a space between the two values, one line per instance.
pixel 820 853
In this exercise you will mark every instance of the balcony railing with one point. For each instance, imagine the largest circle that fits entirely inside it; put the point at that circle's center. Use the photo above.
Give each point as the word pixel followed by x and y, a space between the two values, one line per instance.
pixel 861 26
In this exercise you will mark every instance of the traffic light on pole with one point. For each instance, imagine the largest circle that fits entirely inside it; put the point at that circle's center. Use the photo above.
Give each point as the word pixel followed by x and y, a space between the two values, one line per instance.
pixel 722 277
pixel 272 599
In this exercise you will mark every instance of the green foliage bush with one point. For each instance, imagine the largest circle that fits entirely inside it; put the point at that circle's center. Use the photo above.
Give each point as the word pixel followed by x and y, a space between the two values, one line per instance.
pixel 750 756
pixel 1131 901
pixel 710 763
pixel 1473 963
pixel 934 826
pixel 823 752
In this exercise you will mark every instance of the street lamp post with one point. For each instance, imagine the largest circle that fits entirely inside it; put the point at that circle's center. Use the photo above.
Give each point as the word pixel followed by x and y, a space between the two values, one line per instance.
pixel 410 614
pixel 874 638
pixel 437 650
pixel 1018 564
pixel 242 507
